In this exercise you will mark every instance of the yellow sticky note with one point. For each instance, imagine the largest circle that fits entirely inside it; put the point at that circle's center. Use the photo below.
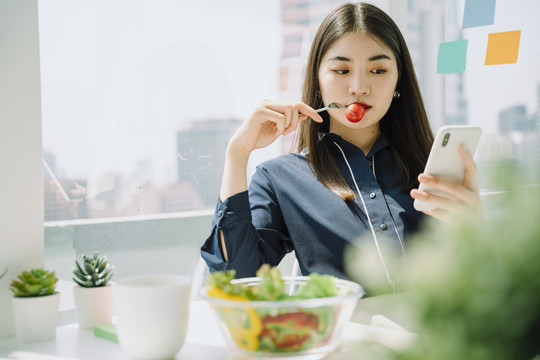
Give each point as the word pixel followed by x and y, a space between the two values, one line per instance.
pixel 503 47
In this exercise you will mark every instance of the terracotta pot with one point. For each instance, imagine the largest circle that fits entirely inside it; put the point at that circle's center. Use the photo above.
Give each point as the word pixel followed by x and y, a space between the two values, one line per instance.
pixel 94 306
pixel 36 318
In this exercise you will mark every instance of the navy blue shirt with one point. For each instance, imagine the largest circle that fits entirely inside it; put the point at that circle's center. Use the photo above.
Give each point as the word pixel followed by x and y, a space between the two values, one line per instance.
pixel 287 208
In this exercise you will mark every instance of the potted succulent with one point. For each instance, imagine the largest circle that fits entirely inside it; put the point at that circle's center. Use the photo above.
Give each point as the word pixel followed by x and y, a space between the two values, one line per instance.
pixel 35 305
pixel 92 292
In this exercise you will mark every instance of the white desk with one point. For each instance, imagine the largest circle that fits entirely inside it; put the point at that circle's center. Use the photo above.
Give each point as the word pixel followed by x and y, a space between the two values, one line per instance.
pixel 203 342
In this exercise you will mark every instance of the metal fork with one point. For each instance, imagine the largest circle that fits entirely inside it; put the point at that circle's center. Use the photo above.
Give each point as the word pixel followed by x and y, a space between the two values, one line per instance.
pixel 332 105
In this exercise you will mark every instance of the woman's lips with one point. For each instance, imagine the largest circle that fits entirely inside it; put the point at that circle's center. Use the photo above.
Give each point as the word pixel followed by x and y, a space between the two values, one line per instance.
pixel 365 106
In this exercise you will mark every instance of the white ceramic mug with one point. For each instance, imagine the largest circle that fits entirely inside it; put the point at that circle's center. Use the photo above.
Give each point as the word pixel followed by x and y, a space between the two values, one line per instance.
pixel 152 315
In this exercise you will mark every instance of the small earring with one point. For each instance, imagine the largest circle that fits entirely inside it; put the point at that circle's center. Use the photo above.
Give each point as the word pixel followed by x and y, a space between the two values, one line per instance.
pixel 397 94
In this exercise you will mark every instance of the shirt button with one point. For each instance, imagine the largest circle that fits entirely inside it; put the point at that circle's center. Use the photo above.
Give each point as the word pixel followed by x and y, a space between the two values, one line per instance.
pixel 372 195
pixel 369 162
pixel 220 213
pixel 383 227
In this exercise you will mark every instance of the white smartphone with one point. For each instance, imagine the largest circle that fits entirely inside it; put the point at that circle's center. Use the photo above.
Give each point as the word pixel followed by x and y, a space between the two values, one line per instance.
pixel 444 159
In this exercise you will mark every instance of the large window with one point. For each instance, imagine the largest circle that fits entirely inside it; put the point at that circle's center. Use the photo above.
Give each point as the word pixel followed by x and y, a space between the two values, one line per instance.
pixel 504 99
pixel 140 97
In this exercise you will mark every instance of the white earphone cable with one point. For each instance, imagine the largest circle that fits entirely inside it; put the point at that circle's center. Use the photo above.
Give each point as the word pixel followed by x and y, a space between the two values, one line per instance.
pixel 391 216
pixel 368 218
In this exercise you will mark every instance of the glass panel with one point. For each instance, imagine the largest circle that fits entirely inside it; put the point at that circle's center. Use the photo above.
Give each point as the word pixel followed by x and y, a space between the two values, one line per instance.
pixel 504 99
pixel 141 97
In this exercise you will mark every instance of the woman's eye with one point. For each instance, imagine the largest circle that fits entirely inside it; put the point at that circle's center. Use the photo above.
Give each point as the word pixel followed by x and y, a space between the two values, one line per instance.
pixel 341 72
pixel 378 71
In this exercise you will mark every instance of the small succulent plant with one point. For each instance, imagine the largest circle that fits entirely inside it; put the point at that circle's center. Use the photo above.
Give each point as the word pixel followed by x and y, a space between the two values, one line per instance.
pixel 33 283
pixel 94 271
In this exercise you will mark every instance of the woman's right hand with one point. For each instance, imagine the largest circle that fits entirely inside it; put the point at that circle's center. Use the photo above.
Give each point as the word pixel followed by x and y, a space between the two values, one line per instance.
pixel 269 121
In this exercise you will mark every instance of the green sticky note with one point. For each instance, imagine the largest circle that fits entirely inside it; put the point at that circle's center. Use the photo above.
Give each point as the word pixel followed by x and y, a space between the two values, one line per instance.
pixel 106 332
pixel 452 57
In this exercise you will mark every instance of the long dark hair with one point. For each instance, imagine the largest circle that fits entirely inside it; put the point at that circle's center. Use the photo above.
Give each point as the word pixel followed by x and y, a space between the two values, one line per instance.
pixel 405 124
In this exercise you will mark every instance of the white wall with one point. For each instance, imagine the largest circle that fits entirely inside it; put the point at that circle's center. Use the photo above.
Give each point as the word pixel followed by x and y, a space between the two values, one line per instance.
pixel 21 169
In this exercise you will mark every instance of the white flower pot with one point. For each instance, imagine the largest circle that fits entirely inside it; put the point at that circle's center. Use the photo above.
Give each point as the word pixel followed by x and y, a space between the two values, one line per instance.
pixel 94 306
pixel 36 317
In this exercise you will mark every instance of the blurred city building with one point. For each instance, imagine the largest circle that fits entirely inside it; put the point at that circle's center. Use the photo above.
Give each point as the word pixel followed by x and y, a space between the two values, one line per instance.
pixel 201 156
pixel 515 119
pixel 521 130
pixel 516 146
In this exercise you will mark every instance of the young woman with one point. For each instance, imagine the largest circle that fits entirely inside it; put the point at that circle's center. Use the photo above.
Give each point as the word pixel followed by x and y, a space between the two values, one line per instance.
pixel 349 181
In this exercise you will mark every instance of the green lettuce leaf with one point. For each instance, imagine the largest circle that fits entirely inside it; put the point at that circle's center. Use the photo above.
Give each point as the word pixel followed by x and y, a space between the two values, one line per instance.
pixel 317 286
pixel 272 286
pixel 222 280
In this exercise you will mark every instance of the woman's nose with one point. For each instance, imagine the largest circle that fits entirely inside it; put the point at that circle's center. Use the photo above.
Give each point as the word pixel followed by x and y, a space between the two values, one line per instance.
pixel 359 86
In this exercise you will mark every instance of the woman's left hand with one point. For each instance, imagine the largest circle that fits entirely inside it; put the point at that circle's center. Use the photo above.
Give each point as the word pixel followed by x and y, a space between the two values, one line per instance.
pixel 461 199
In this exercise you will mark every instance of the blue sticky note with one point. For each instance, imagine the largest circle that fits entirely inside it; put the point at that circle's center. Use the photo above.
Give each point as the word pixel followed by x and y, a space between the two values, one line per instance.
pixel 478 13
pixel 452 57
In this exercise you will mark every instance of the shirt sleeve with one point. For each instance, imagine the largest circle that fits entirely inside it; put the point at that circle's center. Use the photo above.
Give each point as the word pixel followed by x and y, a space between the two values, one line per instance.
pixel 253 229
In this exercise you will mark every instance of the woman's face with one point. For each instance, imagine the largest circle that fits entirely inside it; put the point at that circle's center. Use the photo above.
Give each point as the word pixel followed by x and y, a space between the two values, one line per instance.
pixel 358 68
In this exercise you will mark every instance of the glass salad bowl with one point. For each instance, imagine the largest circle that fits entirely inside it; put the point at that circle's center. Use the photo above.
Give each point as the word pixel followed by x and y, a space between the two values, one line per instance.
pixel 295 328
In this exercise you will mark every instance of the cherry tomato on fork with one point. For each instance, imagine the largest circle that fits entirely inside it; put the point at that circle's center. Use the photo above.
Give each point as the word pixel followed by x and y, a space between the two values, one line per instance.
pixel 355 112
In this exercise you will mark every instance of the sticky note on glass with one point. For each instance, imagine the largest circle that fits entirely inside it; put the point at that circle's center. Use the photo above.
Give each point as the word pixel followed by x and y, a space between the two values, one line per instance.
pixel 478 13
pixel 503 47
pixel 452 57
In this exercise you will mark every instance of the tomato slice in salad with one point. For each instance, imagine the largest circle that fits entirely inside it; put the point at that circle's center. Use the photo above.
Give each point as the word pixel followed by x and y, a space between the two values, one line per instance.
pixel 290 331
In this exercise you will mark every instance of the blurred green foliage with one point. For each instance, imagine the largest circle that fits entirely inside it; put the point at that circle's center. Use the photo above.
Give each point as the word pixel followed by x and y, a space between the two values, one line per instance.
pixel 475 283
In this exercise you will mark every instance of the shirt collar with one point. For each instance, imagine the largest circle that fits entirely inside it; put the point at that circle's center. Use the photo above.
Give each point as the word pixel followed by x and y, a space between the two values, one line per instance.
pixel 381 143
